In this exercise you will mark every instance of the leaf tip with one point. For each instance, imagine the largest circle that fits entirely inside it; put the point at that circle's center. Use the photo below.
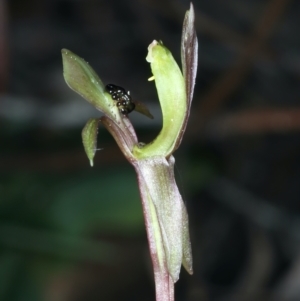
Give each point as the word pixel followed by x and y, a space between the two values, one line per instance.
pixel 64 51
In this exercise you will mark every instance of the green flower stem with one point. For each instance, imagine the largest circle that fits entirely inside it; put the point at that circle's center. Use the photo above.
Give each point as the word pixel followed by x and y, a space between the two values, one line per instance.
pixel 125 140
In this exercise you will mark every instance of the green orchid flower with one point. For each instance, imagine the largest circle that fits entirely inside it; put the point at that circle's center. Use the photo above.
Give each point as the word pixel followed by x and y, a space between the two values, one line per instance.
pixel 165 213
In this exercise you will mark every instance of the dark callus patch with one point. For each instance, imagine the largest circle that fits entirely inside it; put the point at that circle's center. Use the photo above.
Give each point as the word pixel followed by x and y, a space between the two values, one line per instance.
pixel 123 98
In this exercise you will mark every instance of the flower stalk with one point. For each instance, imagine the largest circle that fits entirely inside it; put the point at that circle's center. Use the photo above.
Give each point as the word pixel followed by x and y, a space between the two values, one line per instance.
pixel 165 214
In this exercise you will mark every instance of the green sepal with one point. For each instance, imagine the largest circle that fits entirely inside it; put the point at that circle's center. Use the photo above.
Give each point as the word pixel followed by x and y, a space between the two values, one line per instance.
pixel 89 138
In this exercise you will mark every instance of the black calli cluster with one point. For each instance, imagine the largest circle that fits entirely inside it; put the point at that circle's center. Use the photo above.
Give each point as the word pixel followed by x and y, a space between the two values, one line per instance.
pixel 123 98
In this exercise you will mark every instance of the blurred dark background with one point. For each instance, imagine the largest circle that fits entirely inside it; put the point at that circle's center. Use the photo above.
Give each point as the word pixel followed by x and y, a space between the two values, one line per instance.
pixel 69 232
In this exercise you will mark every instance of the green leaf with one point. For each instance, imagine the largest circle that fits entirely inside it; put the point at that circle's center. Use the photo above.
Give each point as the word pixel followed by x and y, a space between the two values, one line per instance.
pixel 187 259
pixel 89 138
pixel 156 176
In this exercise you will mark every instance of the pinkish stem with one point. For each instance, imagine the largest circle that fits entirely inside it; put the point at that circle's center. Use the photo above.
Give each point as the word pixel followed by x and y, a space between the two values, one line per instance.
pixel 164 285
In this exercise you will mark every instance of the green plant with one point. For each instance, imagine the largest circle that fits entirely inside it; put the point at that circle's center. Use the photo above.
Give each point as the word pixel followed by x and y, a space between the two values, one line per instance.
pixel 165 214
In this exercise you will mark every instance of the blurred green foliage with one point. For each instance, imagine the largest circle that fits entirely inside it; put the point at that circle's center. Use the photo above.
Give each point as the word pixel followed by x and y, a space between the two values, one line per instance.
pixel 50 221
